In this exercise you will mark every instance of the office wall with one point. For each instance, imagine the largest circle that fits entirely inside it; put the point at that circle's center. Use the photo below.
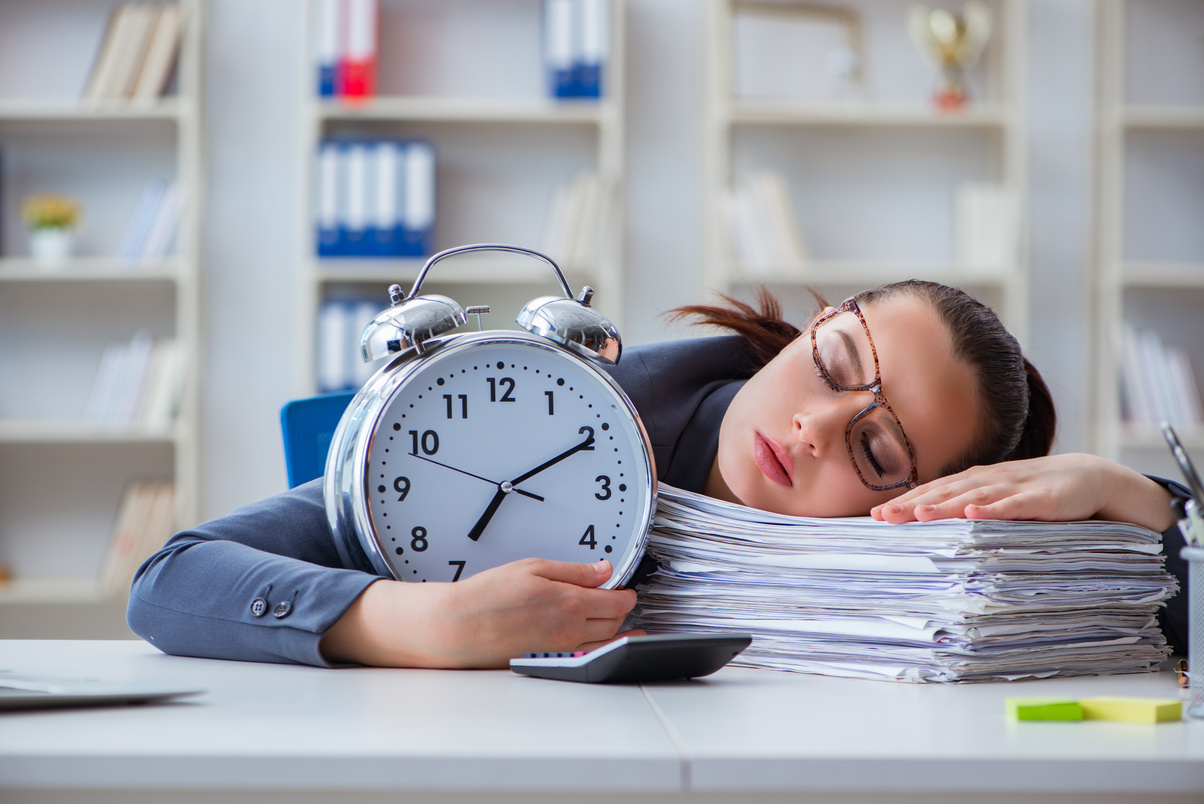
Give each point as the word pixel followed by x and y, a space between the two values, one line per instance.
pixel 251 240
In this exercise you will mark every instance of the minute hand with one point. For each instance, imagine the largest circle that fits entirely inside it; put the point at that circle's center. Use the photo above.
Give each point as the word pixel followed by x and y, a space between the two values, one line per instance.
pixel 588 443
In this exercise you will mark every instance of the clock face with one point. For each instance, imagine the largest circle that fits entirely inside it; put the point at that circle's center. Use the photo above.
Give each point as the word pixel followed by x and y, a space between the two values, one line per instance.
pixel 499 449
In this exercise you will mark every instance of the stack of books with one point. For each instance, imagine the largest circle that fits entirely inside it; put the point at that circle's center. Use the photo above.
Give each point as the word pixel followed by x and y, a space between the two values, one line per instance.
pixel 949 601
pixel 376 198
pixel 137 53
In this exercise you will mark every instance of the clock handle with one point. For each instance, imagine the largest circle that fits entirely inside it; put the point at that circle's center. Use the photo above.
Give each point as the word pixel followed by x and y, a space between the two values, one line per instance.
pixel 564 285
pixel 412 319
pixel 570 322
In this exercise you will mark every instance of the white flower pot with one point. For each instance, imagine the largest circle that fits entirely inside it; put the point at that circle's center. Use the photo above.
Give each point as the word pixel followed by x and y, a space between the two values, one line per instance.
pixel 49 246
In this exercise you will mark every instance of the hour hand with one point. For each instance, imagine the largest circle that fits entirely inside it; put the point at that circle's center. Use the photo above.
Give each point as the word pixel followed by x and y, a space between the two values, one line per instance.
pixel 490 510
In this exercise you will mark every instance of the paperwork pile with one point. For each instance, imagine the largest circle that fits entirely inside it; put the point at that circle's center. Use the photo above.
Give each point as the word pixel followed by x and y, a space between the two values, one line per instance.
pixel 954 600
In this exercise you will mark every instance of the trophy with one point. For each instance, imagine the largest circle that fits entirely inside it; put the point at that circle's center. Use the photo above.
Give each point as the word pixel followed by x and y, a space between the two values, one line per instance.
pixel 950 43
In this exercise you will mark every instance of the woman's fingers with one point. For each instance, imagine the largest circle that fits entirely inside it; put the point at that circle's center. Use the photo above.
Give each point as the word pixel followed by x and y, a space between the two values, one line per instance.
pixel 939 500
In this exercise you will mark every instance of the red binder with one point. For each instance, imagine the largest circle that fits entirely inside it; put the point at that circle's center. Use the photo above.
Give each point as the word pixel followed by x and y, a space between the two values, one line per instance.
pixel 358 63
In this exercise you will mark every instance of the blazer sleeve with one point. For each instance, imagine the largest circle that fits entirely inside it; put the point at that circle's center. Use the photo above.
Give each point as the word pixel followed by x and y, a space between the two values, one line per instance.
pixel 263 583
pixel 1174 618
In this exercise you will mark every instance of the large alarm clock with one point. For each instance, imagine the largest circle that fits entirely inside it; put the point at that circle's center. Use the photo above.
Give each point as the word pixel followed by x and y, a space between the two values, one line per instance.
pixel 468 451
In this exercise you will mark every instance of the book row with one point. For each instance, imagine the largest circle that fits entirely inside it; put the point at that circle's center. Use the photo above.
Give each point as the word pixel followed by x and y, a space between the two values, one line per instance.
pixel 763 239
pixel 576 46
pixel 137 53
pixel 347 37
pixel 1158 384
pixel 138 383
pixel 145 520
pixel 762 234
pixel 376 198
pixel 578 224
pixel 340 324
pixel 152 226
pixel 347 43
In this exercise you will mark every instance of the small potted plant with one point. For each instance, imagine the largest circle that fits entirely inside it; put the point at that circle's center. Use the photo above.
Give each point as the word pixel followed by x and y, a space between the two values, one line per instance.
pixel 52 220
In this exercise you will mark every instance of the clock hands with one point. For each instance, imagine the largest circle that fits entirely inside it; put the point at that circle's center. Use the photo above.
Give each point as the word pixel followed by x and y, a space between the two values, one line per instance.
pixel 470 474
pixel 588 443
pixel 502 490
pixel 507 486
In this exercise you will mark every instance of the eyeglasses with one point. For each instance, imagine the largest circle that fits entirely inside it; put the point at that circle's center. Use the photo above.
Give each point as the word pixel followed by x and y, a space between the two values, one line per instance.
pixel 844 356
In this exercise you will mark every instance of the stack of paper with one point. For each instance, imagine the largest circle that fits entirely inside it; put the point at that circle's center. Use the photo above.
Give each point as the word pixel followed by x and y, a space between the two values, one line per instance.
pixel 954 600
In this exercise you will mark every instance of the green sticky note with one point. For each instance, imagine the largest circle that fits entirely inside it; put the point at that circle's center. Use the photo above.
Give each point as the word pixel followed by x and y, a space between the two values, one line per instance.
pixel 1044 709
pixel 1132 710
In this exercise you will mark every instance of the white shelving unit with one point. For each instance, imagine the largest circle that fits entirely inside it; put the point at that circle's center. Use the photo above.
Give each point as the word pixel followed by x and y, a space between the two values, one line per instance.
pixel 1149 267
pixel 468 76
pixel 872 175
pixel 63 477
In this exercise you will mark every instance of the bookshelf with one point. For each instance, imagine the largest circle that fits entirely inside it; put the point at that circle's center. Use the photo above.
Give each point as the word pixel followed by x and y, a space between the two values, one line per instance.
pixel 65 475
pixel 467 76
pixel 1149 250
pixel 871 166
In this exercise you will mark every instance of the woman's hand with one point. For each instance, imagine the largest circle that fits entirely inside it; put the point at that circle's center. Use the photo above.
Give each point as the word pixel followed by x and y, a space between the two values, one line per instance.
pixel 533 605
pixel 1056 488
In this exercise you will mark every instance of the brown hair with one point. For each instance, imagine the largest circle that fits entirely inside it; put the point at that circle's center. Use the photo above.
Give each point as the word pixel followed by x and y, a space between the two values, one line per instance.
pixel 1017 420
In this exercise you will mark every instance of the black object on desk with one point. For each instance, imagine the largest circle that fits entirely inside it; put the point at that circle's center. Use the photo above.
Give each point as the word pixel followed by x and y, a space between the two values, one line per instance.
pixel 638 659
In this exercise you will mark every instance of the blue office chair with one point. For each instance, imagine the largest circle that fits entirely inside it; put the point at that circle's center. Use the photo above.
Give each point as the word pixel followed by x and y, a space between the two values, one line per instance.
pixel 308 425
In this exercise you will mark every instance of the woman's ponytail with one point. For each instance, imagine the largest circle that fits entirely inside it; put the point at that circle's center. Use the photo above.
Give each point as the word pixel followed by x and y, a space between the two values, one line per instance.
pixel 1036 439
pixel 764 330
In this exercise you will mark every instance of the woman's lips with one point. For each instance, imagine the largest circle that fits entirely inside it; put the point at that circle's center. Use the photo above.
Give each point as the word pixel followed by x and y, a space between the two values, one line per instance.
pixel 772 461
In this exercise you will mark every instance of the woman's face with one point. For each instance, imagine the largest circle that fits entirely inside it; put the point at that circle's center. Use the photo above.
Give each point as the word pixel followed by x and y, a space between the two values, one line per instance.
pixel 782 444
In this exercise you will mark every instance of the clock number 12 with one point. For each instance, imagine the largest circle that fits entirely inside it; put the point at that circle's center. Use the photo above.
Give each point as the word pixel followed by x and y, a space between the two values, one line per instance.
pixel 507 384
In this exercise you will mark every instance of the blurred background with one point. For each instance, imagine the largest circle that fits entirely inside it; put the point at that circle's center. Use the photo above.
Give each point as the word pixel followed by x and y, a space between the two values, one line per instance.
pixel 203 201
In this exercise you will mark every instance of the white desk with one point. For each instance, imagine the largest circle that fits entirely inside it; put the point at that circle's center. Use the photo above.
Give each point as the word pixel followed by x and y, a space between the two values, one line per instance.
pixel 268 733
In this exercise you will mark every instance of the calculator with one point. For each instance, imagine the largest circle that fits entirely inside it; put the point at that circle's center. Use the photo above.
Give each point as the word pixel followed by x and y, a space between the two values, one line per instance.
pixel 638 659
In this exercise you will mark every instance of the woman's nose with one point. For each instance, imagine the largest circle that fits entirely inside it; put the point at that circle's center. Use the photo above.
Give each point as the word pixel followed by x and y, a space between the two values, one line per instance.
pixel 822 423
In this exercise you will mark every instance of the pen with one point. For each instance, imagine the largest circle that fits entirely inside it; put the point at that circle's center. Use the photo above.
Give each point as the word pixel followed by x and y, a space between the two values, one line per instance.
pixel 1185 465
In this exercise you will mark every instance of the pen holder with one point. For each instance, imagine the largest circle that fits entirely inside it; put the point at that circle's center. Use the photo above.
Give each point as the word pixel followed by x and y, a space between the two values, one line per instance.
pixel 1194 556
